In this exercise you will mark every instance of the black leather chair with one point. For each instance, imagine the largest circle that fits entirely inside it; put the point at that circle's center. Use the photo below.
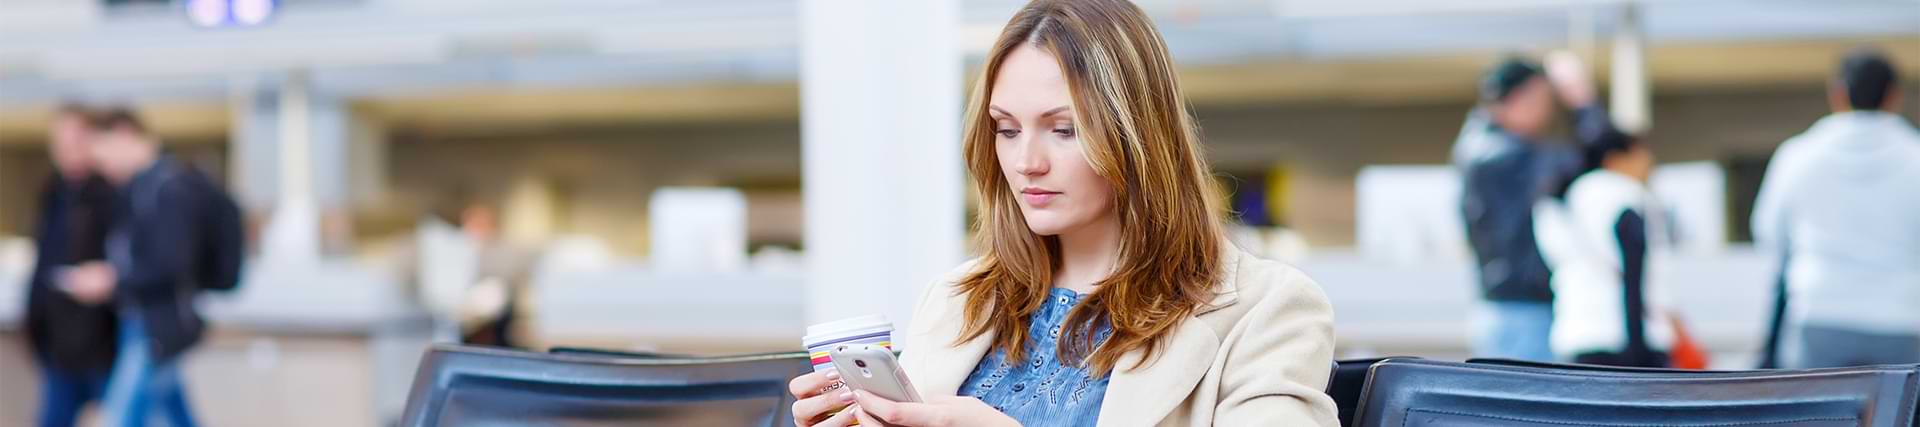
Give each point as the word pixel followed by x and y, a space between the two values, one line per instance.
pixel 1582 367
pixel 1348 380
pixel 1421 393
pixel 587 351
pixel 469 386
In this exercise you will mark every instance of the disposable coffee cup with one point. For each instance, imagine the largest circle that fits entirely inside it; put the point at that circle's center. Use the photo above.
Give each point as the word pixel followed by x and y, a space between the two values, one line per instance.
pixel 821 339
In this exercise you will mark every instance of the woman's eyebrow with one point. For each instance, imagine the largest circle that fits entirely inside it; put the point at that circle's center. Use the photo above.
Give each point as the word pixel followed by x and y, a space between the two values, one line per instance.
pixel 1049 113
pixel 1056 110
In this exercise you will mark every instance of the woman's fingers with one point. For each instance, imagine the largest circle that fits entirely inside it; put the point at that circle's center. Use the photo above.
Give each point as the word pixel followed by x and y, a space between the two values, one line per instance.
pixel 817 407
pixel 887 411
pixel 866 419
pixel 845 418
pixel 812 384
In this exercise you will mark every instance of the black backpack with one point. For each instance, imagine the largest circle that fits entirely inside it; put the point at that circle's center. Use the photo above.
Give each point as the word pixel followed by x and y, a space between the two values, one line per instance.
pixel 223 244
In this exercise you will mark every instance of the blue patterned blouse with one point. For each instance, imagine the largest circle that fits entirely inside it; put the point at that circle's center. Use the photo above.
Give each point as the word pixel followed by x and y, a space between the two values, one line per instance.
pixel 1042 391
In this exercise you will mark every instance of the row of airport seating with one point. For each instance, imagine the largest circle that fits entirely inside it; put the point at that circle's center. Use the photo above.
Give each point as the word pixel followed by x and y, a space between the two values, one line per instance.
pixel 469 386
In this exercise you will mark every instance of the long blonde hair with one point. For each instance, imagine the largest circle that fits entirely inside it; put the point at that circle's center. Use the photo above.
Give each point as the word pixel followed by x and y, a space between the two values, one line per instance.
pixel 1137 133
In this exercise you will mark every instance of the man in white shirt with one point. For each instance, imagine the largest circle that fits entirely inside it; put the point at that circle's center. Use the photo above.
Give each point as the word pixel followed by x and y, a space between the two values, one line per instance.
pixel 1841 204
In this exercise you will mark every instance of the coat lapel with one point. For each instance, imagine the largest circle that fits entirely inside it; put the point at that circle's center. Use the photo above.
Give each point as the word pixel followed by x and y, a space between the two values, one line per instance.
pixel 939 366
pixel 1145 396
pixel 947 368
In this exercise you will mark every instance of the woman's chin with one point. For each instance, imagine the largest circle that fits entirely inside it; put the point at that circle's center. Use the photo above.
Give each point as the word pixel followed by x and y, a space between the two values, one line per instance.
pixel 1045 228
pixel 1053 223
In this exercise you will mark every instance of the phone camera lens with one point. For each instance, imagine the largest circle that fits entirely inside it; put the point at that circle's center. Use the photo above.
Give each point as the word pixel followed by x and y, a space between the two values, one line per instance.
pixel 860 363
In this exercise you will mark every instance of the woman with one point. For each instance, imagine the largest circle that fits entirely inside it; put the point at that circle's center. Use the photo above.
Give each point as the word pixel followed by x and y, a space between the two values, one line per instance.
pixel 1106 292
pixel 1605 238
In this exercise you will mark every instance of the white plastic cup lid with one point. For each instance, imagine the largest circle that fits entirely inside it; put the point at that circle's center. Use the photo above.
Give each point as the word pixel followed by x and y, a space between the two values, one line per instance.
pixel 847 327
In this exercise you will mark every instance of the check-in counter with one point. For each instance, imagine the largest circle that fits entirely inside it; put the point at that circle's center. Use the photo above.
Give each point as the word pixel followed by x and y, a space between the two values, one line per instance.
pixel 328 344
pixel 636 308
pixel 1381 307
pixel 1427 308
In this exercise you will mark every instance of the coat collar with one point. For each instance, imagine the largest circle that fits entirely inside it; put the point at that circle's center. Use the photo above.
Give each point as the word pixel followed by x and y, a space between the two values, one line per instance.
pixel 1144 396
pixel 941 371
pixel 1227 291
pixel 1134 396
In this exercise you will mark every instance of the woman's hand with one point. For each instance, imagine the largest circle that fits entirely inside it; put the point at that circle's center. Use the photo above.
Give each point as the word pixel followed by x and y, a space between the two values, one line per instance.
pixel 945 411
pixel 816 396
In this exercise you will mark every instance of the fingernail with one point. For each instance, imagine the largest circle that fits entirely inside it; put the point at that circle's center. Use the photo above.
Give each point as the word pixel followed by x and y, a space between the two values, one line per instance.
pixel 846 397
pixel 833 375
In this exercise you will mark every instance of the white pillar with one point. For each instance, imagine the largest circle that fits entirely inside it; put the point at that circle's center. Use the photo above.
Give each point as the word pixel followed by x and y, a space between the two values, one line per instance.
pixel 291 157
pixel 880 92
pixel 1632 102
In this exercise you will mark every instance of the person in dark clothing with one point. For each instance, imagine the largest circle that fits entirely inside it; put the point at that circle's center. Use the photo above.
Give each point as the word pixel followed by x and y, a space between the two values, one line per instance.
pixel 73 342
pixel 1507 162
pixel 148 273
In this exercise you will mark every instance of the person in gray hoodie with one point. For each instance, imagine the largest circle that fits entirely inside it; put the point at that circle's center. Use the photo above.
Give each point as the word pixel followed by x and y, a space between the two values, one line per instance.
pixel 1841 204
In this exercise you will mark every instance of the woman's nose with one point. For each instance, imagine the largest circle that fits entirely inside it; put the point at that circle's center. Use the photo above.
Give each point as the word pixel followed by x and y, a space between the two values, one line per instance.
pixel 1033 156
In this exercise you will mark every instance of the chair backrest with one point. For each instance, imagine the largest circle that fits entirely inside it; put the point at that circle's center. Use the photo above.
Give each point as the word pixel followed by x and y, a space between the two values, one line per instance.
pixel 588 351
pixel 1421 393
pixel 1348 380
pixel 1585 367
pixel 468 386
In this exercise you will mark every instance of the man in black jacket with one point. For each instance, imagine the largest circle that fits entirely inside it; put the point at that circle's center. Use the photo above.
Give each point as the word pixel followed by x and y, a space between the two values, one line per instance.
pixel 149 273
pixel 72 341
pixel 1507 163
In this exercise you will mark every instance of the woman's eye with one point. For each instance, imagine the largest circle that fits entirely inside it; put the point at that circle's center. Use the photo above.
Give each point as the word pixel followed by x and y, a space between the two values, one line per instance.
pixel 1007 133
pixel 1065 132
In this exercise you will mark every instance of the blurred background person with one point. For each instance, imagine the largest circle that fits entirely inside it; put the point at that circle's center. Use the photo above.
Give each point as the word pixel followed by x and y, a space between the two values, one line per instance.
pixel 474 278
pixel 1508 161
pixel 1841 203
pixel 150 263
pixel 1605 237
pixel 488 312
pixel 73 341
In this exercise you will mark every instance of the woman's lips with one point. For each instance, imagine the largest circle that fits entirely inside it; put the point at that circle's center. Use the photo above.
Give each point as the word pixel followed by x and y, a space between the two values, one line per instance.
pixel 1038 198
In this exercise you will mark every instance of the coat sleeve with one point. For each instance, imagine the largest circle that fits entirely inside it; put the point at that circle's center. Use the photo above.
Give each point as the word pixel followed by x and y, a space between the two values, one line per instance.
pixel 1279 362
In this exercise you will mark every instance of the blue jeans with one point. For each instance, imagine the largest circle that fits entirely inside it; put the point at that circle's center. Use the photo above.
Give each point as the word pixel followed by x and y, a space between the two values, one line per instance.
pixel 64 392
pixel 140 387
pixel 1515 330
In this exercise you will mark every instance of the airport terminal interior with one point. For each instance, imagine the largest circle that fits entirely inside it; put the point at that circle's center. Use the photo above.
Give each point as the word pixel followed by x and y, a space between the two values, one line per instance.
pixel 710 177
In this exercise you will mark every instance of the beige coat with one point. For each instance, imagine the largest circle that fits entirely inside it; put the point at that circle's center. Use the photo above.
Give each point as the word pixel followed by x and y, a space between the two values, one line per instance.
pixel 1258 355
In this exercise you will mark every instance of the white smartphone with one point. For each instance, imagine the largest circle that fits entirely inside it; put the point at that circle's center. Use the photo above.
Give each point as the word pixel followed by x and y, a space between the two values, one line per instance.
pixel 873 368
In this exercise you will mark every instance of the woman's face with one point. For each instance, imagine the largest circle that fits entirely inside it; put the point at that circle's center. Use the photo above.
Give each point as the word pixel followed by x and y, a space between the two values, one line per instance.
pixel 1039 148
